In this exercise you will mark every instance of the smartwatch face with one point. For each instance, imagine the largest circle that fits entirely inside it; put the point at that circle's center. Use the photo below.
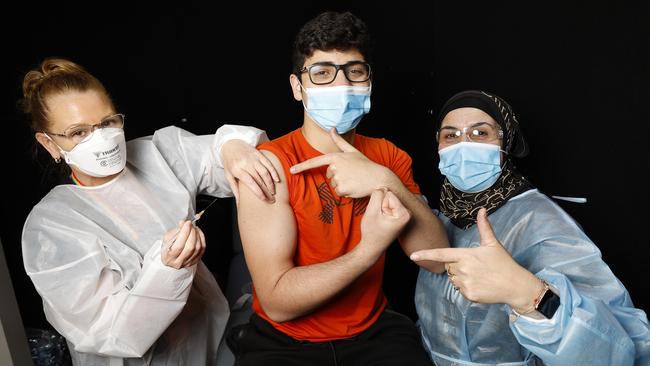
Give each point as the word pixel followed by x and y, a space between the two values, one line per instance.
pixel 549 304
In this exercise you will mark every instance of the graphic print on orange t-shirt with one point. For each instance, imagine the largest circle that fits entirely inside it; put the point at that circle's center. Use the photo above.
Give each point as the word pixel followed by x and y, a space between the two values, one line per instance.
pixel 329 202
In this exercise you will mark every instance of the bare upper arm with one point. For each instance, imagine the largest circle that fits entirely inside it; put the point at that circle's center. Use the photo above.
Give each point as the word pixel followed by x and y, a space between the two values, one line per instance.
pixel 268 233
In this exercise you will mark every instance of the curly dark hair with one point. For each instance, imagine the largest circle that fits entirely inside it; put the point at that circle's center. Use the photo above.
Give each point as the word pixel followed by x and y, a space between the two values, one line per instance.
pixel 330 31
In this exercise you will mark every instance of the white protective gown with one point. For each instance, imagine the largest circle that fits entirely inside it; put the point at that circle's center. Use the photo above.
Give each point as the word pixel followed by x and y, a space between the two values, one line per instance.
pixel 93 254
pixel 595 324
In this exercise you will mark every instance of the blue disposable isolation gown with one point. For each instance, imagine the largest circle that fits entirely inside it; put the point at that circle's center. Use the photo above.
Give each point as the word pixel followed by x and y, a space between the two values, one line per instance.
pixel 596 323
pixel 93 254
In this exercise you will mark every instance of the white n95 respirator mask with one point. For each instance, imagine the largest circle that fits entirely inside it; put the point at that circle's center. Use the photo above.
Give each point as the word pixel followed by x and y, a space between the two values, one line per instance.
pixel 101 155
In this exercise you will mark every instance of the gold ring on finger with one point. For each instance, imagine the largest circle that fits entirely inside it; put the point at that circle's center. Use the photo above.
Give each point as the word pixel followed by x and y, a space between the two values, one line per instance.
pixel 450 274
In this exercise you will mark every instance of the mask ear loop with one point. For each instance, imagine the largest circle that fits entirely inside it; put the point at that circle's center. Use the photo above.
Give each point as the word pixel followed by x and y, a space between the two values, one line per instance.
pixel 506 158
pixel 302 100
pixel 61 151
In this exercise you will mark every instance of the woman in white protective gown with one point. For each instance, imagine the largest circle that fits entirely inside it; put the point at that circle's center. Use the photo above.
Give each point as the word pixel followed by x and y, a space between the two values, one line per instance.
pixel 114 253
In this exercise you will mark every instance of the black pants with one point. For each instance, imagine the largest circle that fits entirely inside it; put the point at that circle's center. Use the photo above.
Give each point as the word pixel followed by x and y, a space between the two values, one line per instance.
pixel 392 340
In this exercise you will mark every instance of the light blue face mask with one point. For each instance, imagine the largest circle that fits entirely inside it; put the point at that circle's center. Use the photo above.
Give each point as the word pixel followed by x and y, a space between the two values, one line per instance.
pixel 471 166
pixel 337 106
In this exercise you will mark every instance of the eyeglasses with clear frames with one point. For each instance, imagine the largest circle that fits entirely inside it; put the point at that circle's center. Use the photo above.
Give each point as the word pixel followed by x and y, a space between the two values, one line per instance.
pixel 479 132
pixel 79 133
pixel 322 73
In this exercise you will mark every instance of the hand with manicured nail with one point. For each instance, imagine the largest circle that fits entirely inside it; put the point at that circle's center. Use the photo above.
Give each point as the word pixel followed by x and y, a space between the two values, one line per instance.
pixel 245 163
pixel 183 246
pixel 486 274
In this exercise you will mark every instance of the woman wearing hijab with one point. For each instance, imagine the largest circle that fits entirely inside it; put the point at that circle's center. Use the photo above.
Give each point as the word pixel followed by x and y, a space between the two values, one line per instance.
pixel 526 286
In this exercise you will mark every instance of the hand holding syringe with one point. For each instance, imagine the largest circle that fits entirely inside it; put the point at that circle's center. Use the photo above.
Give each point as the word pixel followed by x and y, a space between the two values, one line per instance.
pixel 184 246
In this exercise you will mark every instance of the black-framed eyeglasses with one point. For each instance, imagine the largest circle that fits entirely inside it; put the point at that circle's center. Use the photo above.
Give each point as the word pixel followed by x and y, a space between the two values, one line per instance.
pixel 322 73
pixel 78 133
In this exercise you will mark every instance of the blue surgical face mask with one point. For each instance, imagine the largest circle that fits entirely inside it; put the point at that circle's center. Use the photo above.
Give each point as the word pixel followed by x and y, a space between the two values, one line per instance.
pixel 337 106
pixel 471 166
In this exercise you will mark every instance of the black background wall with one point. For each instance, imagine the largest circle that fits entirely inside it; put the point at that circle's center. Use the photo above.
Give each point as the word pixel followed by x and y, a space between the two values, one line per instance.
pixel 577 74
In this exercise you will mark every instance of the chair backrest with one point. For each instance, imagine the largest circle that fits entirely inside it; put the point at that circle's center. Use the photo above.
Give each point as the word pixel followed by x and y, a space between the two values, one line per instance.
pixel 239 279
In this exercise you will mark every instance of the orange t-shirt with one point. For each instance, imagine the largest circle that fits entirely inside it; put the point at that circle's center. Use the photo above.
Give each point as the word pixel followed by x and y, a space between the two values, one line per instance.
pixel 328 226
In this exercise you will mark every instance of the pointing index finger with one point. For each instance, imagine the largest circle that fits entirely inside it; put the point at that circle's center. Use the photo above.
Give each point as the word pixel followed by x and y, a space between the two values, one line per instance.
pixel 312 163
pixel 446 255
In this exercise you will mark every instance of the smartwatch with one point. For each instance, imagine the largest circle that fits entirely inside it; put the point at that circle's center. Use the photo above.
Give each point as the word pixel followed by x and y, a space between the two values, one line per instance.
pixel 548 304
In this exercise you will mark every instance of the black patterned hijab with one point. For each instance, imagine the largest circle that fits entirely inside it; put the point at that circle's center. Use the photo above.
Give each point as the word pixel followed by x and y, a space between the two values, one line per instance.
pixel 462 207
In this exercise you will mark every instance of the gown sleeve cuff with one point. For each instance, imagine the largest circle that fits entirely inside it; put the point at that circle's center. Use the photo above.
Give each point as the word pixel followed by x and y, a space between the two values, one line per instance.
pixel 536 314
pixel 161 281
pixel 250 135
